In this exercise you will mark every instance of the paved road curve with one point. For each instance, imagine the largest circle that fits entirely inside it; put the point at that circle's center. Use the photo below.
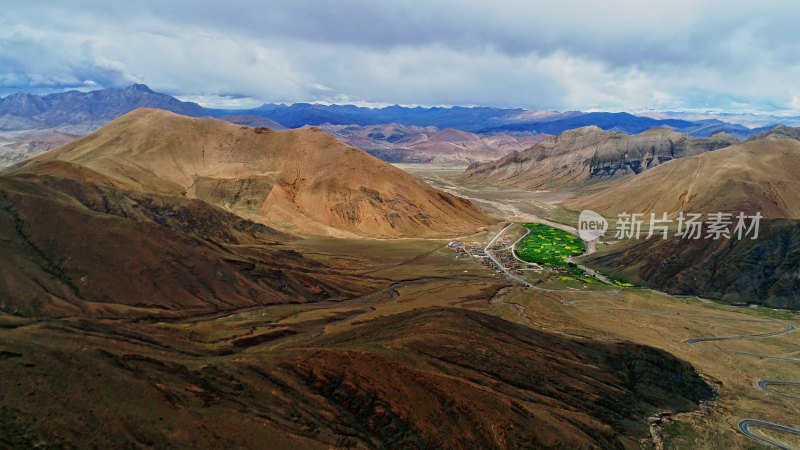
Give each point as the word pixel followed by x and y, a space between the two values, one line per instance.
pixel 745 424
pixel 501 266
pixel 508 273
pixel 744 427
pixel 764 385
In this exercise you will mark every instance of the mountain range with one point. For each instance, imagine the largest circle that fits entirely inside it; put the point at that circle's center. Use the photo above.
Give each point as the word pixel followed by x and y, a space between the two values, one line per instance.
pixel 591 154
pixel 24 118
pixel 149 272
pixel 190 211
pixel 412 144
pixel 762 271
pixel 748 120
pixel 81 112
pixel 302 180
pixel 778 132
pixel 16 146
pixel 662 171
pixel 260 183
pixel 483 120
pixel 755 177
pixel 179 281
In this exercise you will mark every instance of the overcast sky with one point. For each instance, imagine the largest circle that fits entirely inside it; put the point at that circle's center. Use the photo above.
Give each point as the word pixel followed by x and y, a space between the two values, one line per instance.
pixel 688 55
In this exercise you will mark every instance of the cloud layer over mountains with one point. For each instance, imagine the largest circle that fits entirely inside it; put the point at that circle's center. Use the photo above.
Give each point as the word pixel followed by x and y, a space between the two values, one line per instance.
pixel 683 55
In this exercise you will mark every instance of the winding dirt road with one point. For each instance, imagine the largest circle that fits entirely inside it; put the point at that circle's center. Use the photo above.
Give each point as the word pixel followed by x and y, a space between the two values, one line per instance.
pixel 515 214
pixel 789 329
pixel 745 424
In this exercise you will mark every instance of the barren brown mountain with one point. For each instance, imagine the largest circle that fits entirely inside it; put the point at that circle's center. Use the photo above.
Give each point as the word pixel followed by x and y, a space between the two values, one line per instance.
pixel 253 121
pixel 151 215
pixel 139 307
pixel 76 244
pixel 302 181
pixel 586 154
pixel 450 145
pixel 749 177
pixel 758 176
pixel 428 378
pixel 16 146
pixel 755 271
pixel 412 144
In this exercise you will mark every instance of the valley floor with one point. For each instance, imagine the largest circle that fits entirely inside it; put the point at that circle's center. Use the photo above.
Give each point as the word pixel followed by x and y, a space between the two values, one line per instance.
pixel 763 346
pixel 346 373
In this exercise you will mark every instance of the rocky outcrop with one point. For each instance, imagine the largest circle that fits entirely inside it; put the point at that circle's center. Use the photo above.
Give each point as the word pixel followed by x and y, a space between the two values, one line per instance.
pixel 591 154
pixel 763 271
pixel 779 132
pixel 758 176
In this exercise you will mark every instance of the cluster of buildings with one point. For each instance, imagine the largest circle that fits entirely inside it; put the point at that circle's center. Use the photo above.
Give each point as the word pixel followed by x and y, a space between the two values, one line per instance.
pixel 500 250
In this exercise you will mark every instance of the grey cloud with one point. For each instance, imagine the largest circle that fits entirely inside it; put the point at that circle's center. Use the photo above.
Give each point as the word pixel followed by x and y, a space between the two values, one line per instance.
pixel 582 54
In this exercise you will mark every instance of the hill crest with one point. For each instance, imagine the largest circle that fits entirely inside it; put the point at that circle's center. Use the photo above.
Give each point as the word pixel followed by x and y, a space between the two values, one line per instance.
pixel 302 181
pixel 590 154
pixel 756 176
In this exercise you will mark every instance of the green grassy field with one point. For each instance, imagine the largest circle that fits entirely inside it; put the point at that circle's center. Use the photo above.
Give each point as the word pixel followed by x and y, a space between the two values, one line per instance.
pixel 548 246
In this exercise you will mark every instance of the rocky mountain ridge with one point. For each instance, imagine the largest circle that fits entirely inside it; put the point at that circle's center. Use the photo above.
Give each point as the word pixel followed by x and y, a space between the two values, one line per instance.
pixel 591 154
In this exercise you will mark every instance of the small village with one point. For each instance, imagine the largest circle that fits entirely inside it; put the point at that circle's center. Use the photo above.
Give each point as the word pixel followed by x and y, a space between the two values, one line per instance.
pixel 501 250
